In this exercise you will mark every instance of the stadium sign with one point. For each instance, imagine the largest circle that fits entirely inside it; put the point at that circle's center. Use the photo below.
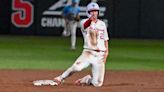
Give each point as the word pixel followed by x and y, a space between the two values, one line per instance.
pixel 23 13
pixel 52 16
pixel 43 17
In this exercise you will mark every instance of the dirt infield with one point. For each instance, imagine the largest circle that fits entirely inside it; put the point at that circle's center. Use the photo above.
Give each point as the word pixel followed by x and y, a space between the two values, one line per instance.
pixel 115 81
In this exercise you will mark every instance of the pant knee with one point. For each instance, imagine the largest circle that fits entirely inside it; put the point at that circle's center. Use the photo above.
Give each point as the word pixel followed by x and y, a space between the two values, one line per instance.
pixel 76 68
pixel 97 83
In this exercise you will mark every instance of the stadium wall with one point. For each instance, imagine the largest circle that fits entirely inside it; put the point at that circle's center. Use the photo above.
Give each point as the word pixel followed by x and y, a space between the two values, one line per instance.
pixel 124 18
pixel 5 9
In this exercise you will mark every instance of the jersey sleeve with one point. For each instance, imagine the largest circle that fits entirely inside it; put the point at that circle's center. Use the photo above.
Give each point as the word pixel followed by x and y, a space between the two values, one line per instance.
pixel 106 37
pixel 65 10
pixel 79 10
pixel 82 24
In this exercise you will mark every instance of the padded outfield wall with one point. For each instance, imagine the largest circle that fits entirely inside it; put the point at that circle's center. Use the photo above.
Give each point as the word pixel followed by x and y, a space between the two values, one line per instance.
pixel 124 18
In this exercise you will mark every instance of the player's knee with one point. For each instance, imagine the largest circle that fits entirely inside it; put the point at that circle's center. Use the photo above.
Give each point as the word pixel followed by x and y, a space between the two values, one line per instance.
pixel 76 68
pixel 97 83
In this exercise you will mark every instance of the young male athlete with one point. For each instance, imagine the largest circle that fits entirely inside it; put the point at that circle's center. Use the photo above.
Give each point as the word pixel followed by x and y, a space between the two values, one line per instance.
pixel 71 18
pixel 95 50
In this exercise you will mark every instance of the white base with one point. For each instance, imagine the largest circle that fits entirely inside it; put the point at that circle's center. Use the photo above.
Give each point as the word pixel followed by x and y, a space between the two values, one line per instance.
pixel 44 83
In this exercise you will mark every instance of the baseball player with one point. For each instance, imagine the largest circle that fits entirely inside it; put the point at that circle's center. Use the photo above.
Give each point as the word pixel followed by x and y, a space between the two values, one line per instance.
pixel 71 17
pixel 95 50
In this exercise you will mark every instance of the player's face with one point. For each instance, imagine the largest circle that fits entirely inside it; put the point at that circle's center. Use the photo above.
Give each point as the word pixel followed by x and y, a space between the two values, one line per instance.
pixel 74 4
pixel 94 14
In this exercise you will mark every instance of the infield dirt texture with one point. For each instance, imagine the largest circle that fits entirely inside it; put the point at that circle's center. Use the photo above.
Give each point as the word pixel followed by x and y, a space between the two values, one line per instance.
pixel 115 81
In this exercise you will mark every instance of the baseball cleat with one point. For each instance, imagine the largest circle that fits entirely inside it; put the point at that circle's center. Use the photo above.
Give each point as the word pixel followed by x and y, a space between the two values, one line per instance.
pixel 73 48
pixel 58 80
pixel 77 82
pixel 82 81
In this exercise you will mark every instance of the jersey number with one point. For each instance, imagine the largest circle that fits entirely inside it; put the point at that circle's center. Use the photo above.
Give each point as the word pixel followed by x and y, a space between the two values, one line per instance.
pixel 23 15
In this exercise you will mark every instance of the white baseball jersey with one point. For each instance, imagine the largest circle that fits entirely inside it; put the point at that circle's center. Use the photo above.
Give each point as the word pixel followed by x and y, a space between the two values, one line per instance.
pixel 99 29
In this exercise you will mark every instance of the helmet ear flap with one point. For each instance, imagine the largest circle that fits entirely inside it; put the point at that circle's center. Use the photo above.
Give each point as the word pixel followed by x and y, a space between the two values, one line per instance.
pixel 89 12
pixel 98 12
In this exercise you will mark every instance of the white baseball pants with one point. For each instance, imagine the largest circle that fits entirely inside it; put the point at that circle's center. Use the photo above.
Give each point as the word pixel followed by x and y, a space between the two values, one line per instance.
pixel 93 58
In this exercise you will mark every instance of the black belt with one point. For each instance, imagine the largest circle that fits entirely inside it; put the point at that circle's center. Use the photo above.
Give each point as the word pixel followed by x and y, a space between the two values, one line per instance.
pixel 95 50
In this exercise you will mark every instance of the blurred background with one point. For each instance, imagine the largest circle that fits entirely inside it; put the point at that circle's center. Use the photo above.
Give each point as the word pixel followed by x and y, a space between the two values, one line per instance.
pixel 30 34
pixel 125 19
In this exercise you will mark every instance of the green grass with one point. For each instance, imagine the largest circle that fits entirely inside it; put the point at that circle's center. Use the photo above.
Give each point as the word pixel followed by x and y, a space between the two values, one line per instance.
pixel 136 54
pixel 41 52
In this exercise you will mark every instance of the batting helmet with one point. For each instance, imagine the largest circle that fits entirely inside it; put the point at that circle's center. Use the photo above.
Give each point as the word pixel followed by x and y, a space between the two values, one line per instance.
pixel 92 6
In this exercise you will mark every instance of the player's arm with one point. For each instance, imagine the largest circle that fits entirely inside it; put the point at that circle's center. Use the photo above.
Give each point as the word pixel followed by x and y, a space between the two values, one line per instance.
pixel 82 24
pixel 87 23
pixel 65 12
pixel 106 39
pixel 106 52
pixel 77 17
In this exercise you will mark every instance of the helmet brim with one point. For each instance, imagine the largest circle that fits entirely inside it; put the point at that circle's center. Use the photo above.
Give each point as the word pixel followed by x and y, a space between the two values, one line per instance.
pixel 93 10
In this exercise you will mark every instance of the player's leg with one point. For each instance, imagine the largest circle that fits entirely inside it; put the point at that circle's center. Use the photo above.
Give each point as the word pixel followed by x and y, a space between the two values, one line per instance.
pixel 98 71
pixel 66 31
pixel 80 64
pixel 73 35
pixel 96 80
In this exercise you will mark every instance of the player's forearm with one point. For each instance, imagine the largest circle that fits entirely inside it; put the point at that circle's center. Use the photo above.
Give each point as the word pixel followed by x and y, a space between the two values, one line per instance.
pixel 87 23
pixel 106 52
pixel 106 46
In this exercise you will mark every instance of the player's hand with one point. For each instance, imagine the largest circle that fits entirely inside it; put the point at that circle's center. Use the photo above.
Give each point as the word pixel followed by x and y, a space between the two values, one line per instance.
pixel 92 17
pixel 77 18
